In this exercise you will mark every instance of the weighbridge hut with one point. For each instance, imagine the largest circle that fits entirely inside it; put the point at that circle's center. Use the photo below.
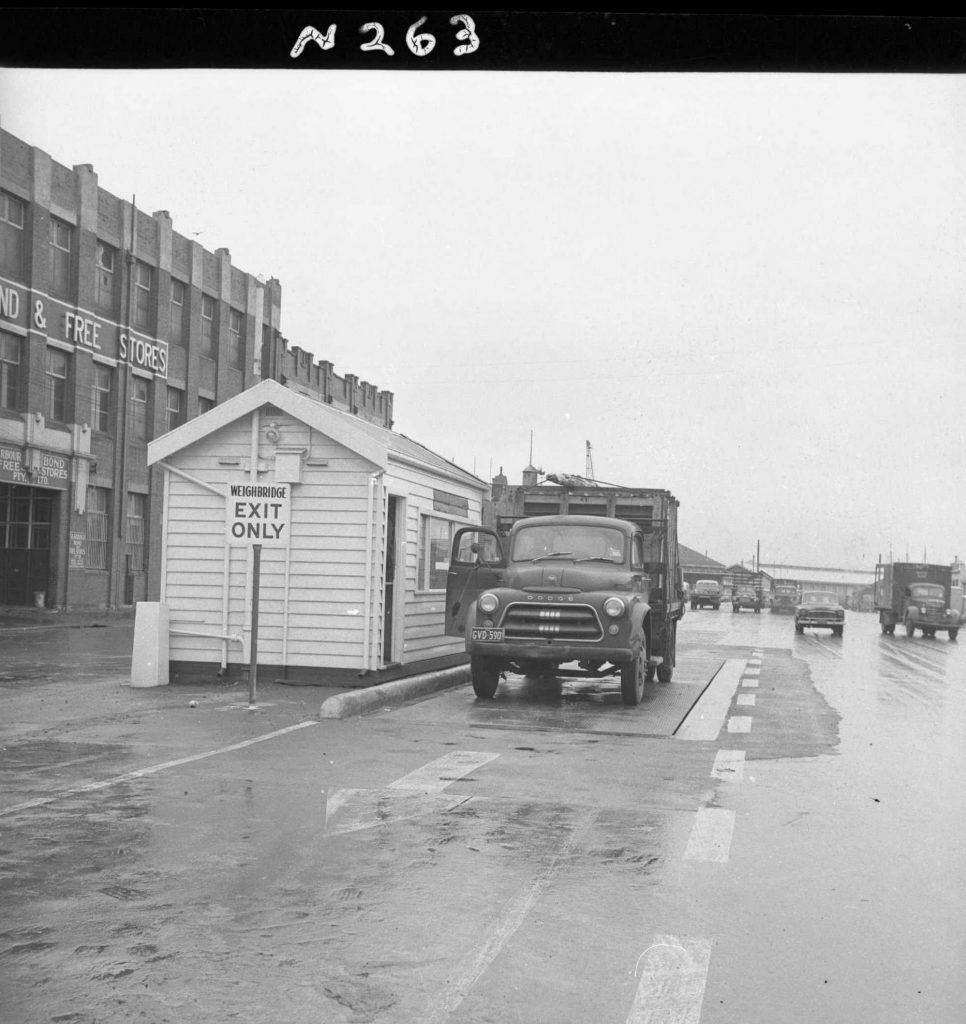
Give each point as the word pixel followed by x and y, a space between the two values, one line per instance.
pixel 354 524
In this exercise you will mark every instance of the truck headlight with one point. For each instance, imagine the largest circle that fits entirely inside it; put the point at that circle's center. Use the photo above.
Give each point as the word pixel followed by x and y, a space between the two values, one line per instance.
pixel 923 609
pixel 488 603
pixel 614 607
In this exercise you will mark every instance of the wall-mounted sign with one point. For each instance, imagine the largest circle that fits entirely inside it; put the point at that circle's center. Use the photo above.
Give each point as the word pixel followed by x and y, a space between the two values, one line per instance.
pixel 258 514
pixel 78 550
pixel 34 468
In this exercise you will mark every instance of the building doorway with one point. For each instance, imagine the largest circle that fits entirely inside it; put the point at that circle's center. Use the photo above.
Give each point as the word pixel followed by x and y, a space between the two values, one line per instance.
pixel 26 514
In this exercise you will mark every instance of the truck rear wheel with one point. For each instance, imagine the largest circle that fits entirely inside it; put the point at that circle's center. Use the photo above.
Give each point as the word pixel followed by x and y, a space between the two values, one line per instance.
pixel 666 669
pixel 953 633
pixel 633 675
pixel 485 674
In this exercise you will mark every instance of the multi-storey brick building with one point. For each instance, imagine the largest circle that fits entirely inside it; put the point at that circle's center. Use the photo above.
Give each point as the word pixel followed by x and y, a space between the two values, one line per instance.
pixel 114 329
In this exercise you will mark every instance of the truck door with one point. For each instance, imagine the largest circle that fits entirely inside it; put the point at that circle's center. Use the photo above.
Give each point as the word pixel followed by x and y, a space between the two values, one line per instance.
pixel 477 563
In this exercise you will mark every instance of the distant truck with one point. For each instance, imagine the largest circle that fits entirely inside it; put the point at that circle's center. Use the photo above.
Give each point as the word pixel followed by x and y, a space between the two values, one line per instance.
pixel 784 597
pixel 572 594
pixel 706 594
pixel 919 596
pixel 747 592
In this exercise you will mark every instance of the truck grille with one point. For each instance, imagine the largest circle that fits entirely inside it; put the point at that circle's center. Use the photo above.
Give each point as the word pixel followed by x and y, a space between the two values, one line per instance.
pixel 578 623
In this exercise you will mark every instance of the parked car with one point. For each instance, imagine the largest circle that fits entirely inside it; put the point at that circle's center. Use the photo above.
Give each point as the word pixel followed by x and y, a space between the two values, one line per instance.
pixel 819 609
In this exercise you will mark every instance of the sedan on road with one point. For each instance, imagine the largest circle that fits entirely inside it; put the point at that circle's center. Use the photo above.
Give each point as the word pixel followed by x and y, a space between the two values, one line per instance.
pixel 819 609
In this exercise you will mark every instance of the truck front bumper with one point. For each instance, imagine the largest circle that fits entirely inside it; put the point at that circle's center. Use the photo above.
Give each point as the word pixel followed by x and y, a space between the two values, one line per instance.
pixel 550 651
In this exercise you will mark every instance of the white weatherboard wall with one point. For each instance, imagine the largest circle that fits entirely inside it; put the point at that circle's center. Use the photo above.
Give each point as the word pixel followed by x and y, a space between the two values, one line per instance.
pixel 321 600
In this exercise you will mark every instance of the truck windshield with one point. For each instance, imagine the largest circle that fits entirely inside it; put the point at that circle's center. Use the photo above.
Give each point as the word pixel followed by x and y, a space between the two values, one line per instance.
pixel 928 590
pixel 574 543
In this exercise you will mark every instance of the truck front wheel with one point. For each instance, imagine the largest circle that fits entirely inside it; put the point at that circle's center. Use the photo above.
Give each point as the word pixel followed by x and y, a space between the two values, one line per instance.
pixel 485 674
pixel 953 633
pixel 633 675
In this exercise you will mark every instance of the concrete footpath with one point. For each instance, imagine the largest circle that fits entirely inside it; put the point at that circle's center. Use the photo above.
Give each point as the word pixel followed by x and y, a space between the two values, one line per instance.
pixel 46 644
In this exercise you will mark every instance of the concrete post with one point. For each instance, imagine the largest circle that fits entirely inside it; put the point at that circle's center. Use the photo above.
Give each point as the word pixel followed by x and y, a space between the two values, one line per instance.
pixel 149 659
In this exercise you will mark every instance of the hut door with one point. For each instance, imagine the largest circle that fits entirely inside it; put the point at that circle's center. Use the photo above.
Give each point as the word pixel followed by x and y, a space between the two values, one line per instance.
pixel 389 595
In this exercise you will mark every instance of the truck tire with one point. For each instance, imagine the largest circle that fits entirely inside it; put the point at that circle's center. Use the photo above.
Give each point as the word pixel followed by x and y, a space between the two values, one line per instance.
pixel 715 607
pixel 837 630
pixel 799 629
pixel 485 674
pixel 953 633
pixel 633 675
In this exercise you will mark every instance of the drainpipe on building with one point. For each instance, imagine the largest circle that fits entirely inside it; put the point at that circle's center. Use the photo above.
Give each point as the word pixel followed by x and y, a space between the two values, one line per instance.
pixel 120 455
pixel 370 574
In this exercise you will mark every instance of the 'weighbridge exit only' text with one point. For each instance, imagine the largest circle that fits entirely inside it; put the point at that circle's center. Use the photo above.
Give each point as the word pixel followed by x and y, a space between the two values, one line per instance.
pixel 258 514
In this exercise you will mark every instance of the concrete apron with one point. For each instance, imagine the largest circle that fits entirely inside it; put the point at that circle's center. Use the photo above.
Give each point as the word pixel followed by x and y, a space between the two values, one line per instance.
pixel 398 691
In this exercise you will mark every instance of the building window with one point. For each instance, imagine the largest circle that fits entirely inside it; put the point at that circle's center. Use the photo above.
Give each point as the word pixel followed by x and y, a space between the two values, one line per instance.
pixel 435 541
pixel 104 277
pixel 208 326
pixel 61 237
pixel 176 317
pixel 25 516
pixel 56 385
pixel 205 405
pixel 97 533
pixel 139 409
pixel 11 235
pixel 10 346
pixel 143 283
pixel 135 530
pixel 236 340
pixel 175 408
pixel 101 398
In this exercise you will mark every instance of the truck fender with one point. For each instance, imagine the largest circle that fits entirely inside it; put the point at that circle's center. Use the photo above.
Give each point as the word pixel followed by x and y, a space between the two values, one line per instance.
pixel 640 617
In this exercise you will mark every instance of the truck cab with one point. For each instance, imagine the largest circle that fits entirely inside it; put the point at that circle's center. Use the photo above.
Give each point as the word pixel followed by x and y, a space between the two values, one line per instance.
pixel 706 594
pixel 561 590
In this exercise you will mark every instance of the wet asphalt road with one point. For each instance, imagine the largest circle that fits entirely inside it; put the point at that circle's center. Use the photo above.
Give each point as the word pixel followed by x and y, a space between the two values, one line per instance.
pixel 792 850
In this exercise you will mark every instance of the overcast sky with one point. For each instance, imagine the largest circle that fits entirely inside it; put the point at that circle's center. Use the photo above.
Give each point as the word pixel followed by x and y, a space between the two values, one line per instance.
pixel 749 289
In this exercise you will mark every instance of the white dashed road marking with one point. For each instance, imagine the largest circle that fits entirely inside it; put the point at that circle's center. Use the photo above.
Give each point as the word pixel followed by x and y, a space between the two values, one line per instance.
pixel 710 838
pixel 746 700
pixel 729 764
pixel 739 723
pixel 440 773
pixel 674 973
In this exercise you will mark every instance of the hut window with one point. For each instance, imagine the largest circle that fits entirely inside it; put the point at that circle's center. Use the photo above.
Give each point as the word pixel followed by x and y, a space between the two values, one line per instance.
pixel 435 540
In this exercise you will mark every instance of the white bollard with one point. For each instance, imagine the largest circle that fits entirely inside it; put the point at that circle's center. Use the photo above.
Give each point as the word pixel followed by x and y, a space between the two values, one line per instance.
pixel 149 659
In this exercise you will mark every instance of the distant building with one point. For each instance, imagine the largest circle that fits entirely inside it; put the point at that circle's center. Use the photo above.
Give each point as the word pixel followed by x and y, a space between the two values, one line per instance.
pixel 115 329
pixel 848 585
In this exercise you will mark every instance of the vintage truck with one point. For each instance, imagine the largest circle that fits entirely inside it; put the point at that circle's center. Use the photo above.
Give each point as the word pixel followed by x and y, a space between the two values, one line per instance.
pixel 747 592
pixel 706 594
pixel 784 597
pixel 919 596
pixel 571 594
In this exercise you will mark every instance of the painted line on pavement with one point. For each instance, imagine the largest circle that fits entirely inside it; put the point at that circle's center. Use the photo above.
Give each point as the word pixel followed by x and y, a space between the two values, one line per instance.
pixel 710 839
pixel 705 719
pixel 749 682
pixel 752 671
pixel 438 774
pixel 674 974
pixel 475 963
pixel 746 699
pixel 140 773
pixel 739 723
pixel 729 764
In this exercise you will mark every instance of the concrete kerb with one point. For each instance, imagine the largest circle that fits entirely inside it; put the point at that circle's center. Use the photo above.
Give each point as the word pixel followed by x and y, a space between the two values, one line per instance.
pixel 358 702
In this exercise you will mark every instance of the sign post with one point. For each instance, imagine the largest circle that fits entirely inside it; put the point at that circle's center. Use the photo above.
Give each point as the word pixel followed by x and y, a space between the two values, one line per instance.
pixel 257 516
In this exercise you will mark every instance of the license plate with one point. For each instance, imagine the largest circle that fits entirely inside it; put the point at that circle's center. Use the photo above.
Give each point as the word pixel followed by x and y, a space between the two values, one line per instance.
pixel 482 633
